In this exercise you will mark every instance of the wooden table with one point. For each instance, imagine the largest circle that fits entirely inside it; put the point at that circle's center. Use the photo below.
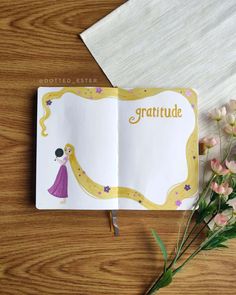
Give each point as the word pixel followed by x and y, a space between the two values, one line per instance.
pixel 66 252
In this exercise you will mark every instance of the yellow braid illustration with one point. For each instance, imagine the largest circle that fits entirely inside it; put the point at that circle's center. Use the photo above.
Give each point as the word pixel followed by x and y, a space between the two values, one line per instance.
pixel 104 192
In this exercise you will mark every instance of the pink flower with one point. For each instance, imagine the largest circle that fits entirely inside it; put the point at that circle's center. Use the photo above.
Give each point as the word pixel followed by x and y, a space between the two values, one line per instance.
pixel 230 130
pixel 209 142
pixel 221 189
pixel 232 203
pixel 218 168
pixel 221 219
pixel 217 114
pixel 231 165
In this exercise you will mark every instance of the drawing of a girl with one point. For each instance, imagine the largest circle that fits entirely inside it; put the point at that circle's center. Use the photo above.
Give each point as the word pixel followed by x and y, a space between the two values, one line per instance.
pixel 59 188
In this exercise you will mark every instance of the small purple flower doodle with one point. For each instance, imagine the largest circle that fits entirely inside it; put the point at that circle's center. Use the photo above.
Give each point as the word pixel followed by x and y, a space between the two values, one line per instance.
pixel 188 92
pixel 98 90
pixel 107 189
pixel 178 203
pixel 49 102
pixel 187 187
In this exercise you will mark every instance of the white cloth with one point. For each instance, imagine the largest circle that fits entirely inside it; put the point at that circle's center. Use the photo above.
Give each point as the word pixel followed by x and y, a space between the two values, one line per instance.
pixel 176 43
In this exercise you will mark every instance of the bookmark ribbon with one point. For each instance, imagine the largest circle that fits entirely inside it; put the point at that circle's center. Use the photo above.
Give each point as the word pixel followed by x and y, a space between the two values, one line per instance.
pixel 114 223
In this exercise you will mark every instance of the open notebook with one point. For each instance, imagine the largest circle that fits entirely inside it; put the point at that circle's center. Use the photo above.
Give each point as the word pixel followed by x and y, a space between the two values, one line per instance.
pixel 113 148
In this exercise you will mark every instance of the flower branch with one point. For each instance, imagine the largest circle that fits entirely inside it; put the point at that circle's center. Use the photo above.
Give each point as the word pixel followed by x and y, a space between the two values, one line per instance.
pixel 214 213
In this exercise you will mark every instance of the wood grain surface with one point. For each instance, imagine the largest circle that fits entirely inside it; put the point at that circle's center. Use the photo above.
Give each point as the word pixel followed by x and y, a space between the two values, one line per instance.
pixel 72 252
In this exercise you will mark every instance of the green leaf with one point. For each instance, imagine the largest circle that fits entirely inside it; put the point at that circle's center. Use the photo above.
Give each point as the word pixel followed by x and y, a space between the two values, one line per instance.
pixel 202 205
pixel 161 245
pixel 228 233
pixel 232 195
pixel 215 243
pixel 206 212
pixel 214 196
pixel 222 246
pixel 163 282
pixel 224 206
pixel 166 279
pixel 233 182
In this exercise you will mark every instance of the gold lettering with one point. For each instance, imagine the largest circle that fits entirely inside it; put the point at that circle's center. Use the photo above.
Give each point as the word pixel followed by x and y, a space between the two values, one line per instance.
pixel 133 120
pixel 179 112
pixel 143 112
pixel 150 112
pixel 167 113
pixel 156 112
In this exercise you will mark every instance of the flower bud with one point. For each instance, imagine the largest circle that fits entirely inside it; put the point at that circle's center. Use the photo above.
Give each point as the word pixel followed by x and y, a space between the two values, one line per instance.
pixel 221 219
pixel 231 165
pixel 231 120
pixel 217 114
pixel 218 168
pixel 231 130
pixel 209 142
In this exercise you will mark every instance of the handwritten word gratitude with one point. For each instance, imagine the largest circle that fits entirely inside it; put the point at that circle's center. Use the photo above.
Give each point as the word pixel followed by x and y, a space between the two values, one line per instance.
pixel 155 112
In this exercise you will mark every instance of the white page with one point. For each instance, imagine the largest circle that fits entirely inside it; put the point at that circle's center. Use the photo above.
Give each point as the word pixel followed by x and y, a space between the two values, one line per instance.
pixel 91 126
pixel 152 153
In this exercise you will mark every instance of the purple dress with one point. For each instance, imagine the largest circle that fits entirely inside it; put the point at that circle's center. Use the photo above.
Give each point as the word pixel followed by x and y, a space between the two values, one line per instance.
pixel 59 188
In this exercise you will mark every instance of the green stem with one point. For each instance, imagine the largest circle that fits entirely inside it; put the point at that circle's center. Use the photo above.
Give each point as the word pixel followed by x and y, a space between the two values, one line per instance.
pixel 218 127
pixel 229 148
pixel 204 193
pixel 205 168
pixel 196 224
pixel 186 261
pixel 220 196
pixel 196 236
pixel 196 251
pixel 194 227
pixel 150 290
pixel 192 230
